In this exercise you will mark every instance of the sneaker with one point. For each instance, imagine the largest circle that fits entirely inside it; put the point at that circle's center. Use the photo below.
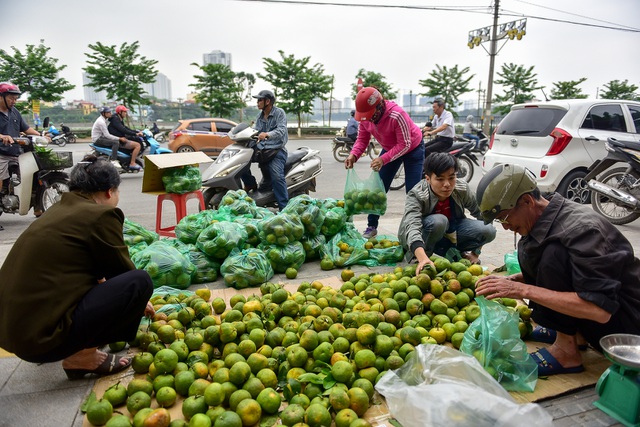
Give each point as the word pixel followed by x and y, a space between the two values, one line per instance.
pixel 370 232
pixel 116 164
pixel 135 167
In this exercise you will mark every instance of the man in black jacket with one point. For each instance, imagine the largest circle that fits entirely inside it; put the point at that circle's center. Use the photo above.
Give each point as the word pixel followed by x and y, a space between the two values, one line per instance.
pixel 118 128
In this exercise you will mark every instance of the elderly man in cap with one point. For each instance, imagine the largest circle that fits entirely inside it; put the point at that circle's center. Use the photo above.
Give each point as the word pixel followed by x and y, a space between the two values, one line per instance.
pixel 579 272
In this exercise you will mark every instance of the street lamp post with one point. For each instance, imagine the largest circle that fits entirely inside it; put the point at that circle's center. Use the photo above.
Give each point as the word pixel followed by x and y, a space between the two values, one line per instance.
pixel 180 108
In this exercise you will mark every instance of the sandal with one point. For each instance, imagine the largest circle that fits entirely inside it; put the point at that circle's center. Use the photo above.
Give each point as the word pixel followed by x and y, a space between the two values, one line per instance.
pixel 546 335
pixel 549 365
pixel 111 365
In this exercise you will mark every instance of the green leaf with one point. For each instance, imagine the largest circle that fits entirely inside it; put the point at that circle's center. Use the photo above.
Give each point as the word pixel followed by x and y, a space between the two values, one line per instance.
pixel 312 378
pixel 328 382
pixel 90 399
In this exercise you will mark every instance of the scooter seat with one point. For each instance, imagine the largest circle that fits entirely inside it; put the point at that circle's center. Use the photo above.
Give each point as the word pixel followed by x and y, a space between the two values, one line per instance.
pixel 632 145
pixel 294 157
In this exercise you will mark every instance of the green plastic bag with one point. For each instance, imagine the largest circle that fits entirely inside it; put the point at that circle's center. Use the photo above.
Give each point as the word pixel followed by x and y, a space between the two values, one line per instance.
pixel 346 247
pixel 511 262
pixel 135 233
pixel 283 257
pixel 190 227
pixel 206 268
pixel 220 238
pixel 310 212
pixel 385 250
pixel 281 229
pixel 334 220
pixel 364 196
pixel 246 268
pixel 494 339
pixel 312 246
pixel 166 265
pixel 238 203
pixel 182 180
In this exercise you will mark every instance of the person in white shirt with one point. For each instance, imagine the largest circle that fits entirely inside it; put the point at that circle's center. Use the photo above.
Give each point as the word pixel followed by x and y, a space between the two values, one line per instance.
pixel 442 127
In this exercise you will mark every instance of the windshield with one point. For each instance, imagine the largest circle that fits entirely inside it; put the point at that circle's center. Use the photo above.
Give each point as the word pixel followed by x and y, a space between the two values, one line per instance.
pixel 531 121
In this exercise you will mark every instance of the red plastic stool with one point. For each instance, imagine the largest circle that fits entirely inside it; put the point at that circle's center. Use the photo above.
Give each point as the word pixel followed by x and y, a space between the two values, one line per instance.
pixel 180 202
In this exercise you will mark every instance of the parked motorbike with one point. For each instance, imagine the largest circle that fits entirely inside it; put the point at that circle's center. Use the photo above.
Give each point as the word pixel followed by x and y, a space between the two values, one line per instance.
pixel 616 193
pixel 463 151
pixel 301 169
pixel 57 137
pixel 36 178
pixel 342 146
pixel 483 143
pixel 124 155
pixel 71 137
pixel 160 136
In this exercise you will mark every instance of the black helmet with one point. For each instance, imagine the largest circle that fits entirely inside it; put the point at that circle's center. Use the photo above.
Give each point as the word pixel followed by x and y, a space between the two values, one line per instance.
pixel 266 94
pixel 104 110
pixel 353 113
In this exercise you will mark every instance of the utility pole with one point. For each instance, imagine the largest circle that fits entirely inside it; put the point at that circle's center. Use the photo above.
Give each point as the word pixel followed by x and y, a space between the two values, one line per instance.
pixel 509 31
pixel 492 61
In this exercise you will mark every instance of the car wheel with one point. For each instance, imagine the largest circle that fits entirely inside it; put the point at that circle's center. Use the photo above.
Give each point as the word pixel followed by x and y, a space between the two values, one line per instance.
pixel 185 149
pixel 574 188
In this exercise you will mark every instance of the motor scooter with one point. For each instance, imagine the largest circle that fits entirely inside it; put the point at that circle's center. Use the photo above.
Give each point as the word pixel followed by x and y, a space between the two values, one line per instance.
pixel 616 193
pixel 58 138
pixel 342 146
pixel 302 167
pixel 66 130
pixel 124 155
pixel 36 178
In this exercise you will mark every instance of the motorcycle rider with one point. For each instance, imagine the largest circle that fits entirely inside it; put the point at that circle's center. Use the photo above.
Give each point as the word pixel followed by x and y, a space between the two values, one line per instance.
pixel 155 129
pixel 352 127
pixel 442 126
pixel 117 127
pixel 101 137
pixel 11 124
pixel 270 151
pixel 469 128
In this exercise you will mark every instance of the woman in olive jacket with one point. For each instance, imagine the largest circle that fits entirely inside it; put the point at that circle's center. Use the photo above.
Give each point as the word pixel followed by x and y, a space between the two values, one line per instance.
pixel 68 285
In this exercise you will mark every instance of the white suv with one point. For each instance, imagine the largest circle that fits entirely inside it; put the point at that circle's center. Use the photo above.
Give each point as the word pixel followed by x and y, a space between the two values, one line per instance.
pixel 559 140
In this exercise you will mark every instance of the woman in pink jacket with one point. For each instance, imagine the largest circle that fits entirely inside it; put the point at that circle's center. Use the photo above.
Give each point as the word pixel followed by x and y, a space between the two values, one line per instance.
pixel 399 136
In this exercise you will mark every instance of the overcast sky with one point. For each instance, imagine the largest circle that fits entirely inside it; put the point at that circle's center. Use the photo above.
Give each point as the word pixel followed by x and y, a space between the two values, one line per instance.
pixel 403 44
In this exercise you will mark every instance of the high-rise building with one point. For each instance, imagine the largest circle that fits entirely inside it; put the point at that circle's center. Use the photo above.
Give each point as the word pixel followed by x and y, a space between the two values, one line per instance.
pixel 90 94
pixel 160 89
pixel 217 57
pixel 347 103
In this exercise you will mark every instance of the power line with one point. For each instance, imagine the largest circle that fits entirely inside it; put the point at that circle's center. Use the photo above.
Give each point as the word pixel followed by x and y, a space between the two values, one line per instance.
pixel 467 9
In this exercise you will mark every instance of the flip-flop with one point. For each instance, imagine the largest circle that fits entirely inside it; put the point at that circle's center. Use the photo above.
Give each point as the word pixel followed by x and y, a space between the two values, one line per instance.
pixel 549 365
pixel 546 335
pixel 111 365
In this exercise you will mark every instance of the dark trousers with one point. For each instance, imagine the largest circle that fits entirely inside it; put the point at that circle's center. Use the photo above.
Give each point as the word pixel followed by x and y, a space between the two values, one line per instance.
pixel 554 273
pixel 107 143
pixel 439 144
pixel 109 312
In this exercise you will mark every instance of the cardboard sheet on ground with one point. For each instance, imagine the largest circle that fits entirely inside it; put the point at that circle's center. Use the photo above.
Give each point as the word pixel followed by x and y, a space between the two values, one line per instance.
pixel 378 414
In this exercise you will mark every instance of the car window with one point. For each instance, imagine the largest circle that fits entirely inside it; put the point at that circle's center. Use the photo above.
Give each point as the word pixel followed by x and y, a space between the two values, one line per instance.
pixel 223 127
pixel 605 117
pixel 635 116
pixel 200 126
pixel 531 121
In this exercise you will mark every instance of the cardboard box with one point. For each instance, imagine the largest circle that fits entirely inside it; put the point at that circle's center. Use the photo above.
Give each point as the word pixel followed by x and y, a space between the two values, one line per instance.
pixel 156 164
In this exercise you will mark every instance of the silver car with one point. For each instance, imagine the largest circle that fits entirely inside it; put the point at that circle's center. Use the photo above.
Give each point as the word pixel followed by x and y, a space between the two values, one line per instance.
pixel 559 140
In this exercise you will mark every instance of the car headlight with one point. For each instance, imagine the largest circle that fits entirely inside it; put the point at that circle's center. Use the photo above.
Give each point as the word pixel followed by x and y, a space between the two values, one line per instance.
pixel 226 154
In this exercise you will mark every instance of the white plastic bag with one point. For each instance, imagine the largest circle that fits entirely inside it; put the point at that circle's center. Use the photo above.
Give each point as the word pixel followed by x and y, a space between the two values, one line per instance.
pixel 440 386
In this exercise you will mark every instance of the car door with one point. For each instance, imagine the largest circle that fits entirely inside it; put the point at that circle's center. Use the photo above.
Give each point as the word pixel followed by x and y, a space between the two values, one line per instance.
pixel 200 134
pixel 634 118
pixel 603 121
pixel 221 130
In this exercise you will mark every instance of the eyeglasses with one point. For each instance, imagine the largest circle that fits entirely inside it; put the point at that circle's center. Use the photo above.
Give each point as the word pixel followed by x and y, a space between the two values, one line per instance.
pixel 13 98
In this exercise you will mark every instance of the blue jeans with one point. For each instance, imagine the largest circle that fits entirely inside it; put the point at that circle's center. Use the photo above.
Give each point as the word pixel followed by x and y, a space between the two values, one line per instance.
pixel 471 234
pixel 472 137
pixel 272 176
pixel 412 162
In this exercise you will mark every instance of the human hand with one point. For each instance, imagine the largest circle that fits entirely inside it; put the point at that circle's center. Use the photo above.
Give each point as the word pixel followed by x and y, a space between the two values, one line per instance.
pixel 149 311
pixel 349 161
pixel 262 136
pixel 376 164
pixel 6 139
pixel 122 140
pixel 500 287
pixel 426 262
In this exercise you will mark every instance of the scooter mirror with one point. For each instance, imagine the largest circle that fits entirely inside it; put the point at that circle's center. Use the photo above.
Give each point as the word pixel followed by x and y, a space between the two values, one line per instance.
pixel 45 124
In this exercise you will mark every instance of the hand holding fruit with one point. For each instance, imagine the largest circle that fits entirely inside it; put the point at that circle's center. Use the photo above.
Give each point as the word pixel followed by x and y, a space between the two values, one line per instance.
pixel 500 287
pixel 149 311
pixel 423 260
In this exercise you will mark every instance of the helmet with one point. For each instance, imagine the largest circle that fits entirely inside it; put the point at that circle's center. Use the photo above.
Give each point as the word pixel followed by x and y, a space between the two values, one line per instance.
pixel 353 113
pixel 121 108
pixel 367 100
pixel 470 117
pixel 104 110
pixel 501 188
pixel 266 94
pixel 9 88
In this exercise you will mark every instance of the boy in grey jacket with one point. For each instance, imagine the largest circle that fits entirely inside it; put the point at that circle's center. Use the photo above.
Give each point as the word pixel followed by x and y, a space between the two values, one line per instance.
pixel 434 215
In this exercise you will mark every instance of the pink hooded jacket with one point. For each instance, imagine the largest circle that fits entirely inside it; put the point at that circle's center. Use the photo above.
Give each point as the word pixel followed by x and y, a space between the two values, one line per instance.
pixel 395 132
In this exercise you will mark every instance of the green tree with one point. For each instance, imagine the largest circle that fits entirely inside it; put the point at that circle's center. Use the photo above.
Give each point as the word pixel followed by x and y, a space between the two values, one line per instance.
pixel 449 83
pixel 518 83
pixel 371 78
pixel 616 89
pixel 34 72
pixel 296 83
pixel 219 93
pixel 568 89
pixel 247 80
pixel 120 72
